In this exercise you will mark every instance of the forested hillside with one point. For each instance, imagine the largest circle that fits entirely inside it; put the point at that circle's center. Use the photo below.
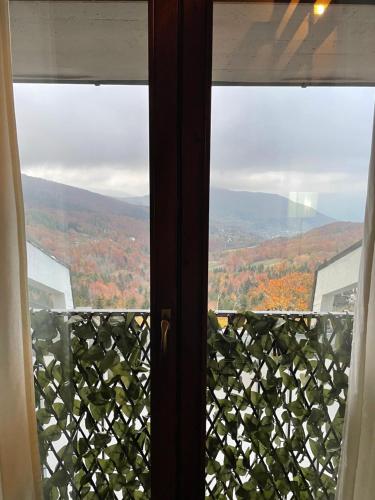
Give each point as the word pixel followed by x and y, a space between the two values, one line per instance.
pixel 105 242
pixel 278 273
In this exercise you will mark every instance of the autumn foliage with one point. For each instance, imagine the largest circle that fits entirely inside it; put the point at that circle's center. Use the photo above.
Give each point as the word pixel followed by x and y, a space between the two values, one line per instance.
pixel 277 274
pixel 109 259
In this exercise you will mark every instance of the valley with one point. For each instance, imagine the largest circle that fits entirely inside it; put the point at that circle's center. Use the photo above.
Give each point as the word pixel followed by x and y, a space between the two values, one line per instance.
pixel 264 248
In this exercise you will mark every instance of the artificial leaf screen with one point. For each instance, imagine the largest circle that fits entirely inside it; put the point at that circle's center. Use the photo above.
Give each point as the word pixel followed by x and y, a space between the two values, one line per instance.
pixel 275 404
pixel 92 376
pixel 277 388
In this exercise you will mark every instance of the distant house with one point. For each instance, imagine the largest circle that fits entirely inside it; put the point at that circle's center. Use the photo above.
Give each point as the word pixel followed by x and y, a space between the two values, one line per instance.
pixel 49 281
pixel 336 281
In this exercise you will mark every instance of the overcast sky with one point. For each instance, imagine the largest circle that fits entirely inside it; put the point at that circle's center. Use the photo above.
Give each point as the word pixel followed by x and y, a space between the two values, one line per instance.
pixel 312 145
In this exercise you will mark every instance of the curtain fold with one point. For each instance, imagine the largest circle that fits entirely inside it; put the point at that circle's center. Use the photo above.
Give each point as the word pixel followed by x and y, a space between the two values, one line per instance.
pixel 19 457
pixel 357 466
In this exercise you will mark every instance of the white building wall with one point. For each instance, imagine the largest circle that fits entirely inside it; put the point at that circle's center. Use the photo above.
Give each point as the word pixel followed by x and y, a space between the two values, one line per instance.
pixel 335 278
pixel 50 276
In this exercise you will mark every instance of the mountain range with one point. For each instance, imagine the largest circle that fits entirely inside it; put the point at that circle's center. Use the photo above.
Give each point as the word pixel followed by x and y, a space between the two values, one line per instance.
pixel 243 218
pixel 42 193
pixel 105 241
pixel 237 218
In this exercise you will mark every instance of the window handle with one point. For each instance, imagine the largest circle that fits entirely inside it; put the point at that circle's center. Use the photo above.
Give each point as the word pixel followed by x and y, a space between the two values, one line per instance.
pixel 164 334
pixel 164 327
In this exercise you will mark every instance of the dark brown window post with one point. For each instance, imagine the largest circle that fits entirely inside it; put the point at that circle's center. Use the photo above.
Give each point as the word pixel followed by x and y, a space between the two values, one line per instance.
pixel 180 95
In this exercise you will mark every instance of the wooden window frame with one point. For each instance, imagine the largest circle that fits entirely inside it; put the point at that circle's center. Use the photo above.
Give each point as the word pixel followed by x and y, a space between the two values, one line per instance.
pixel 180 46
pixel 180 78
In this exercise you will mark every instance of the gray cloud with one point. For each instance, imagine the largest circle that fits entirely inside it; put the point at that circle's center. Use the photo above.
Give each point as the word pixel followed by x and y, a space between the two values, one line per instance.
pixel 83 125
pixel 271 139
pixel 271 129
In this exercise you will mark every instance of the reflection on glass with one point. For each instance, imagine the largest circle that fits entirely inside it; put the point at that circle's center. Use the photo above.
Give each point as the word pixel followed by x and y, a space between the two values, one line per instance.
pixel 299 43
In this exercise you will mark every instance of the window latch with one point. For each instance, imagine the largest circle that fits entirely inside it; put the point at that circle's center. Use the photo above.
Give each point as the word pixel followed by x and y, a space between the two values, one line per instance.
pixel 164 327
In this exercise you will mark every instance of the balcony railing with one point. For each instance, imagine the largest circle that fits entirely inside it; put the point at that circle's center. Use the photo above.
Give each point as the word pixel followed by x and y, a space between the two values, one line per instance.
pixel 276 392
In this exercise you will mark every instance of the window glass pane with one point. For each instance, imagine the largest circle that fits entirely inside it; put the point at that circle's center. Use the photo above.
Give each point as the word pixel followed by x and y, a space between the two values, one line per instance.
pixel 84 156
pixel 290 153
pixel 81 95
pixel 288 177
pixel 292 117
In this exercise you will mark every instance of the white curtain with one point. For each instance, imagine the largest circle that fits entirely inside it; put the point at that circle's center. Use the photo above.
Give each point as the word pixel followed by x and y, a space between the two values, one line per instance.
pixel 357 466
pixel 19 458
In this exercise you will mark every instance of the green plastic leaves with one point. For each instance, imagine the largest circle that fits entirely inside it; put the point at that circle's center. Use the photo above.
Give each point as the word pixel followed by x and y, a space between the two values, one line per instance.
pixel 92 391
pixel 276 393
pixel 275 404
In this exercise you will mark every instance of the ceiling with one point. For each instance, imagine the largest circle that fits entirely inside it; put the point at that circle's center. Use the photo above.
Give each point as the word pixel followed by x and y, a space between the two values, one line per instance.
pixel 254 43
